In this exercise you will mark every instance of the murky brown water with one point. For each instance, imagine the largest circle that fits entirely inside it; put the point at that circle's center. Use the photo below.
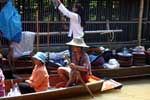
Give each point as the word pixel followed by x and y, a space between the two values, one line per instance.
pixel 135 89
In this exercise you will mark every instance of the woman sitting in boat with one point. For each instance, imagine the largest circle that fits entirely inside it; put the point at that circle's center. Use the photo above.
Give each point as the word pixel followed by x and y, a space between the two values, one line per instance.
pixel 39 80
pixel 80 64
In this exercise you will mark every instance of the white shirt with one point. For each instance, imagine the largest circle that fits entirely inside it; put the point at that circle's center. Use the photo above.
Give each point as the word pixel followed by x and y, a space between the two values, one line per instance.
pixel 75 22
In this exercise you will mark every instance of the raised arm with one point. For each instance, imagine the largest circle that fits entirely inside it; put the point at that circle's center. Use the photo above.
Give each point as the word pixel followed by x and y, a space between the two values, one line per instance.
pixel 65 11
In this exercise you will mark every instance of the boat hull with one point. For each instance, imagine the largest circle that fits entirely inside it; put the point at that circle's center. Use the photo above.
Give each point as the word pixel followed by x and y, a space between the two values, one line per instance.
pixel 123 72
pixel 59 92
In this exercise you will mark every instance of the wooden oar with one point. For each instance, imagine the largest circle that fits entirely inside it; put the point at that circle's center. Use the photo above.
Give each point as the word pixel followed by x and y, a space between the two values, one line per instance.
pixel 87 88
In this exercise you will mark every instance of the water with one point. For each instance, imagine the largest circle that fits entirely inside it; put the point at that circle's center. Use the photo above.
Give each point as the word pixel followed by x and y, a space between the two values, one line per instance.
pixel 135 89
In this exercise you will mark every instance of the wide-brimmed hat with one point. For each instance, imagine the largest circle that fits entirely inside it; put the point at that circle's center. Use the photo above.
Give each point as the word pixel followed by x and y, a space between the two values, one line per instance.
pixel 77 42
pixel 40 56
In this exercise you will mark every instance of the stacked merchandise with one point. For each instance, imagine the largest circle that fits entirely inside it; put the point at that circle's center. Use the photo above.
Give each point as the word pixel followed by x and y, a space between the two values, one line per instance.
pixel 125 58
pixel 139 57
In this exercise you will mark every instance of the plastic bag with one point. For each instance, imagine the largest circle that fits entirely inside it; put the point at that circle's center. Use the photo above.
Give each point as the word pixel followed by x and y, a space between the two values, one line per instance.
pixel 14 91
pixel 10 22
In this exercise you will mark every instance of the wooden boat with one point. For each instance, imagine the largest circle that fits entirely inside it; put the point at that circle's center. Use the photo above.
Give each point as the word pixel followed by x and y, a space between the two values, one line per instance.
pixel 25 67
pixel 57 93
pixel 54 93
pixel 123 72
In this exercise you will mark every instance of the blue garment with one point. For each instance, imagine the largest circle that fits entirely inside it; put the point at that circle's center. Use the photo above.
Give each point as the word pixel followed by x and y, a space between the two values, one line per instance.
pixel 92 57
pixel 60 60
pixel 10 23
pixel 96 60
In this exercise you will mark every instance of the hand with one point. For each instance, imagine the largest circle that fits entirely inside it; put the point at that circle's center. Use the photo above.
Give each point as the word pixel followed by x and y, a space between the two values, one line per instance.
pixel 28 81
pixel 73 66
pixel 56 3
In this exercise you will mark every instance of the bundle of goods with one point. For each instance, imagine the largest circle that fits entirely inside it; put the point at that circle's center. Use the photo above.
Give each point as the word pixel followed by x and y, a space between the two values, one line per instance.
pixel 139 57
pixel 125 58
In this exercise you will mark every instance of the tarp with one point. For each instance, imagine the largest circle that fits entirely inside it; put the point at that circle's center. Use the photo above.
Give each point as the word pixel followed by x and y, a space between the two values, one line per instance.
pixel 10 22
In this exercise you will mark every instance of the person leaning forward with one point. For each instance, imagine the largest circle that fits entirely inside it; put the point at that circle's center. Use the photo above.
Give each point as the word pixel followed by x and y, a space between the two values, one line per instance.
pixel 80 64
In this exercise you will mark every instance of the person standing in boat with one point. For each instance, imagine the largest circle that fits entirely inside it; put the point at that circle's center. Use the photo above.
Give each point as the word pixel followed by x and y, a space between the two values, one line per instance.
pixel 39 80
pixel 77 21
pixel 10 26
pixel 76 17
pixel 80 63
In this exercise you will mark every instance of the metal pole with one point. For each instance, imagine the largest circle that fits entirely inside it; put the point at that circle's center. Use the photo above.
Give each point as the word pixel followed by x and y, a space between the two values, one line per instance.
pixel 140 22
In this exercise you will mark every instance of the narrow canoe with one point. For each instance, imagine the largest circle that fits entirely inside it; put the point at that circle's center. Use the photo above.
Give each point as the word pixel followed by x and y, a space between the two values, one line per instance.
pixel 54 93
pixel 123 72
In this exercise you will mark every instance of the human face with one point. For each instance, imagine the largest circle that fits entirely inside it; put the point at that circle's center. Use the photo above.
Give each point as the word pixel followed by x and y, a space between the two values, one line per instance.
pixel 76 50
pixel 74 9
pixel 36 61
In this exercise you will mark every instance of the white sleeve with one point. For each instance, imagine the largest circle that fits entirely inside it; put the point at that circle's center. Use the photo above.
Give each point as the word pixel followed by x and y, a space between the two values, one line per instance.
pixel 66 12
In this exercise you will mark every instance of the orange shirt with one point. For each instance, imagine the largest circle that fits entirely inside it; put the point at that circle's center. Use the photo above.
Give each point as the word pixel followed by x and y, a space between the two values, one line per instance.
pixel 39 79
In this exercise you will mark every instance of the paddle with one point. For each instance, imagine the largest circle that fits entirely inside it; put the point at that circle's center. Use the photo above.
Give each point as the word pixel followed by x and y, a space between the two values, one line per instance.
pixel 87 88
pixel 80 78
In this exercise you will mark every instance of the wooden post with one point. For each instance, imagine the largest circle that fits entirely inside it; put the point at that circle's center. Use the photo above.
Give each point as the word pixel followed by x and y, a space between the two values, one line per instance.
pixel 109 34
pixel 48 37
pixel 140 22
pixel 37 30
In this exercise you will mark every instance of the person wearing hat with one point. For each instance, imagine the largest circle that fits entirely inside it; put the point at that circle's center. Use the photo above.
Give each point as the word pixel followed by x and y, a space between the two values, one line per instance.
pixel 76 17
pixel 80 63
pixel 39 80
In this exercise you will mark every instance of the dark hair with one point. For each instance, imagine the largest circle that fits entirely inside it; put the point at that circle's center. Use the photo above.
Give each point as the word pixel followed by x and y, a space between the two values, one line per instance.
pixel 81 13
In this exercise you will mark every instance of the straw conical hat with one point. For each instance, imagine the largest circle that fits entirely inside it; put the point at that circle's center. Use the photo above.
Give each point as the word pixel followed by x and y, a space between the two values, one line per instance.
pixel 77 42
